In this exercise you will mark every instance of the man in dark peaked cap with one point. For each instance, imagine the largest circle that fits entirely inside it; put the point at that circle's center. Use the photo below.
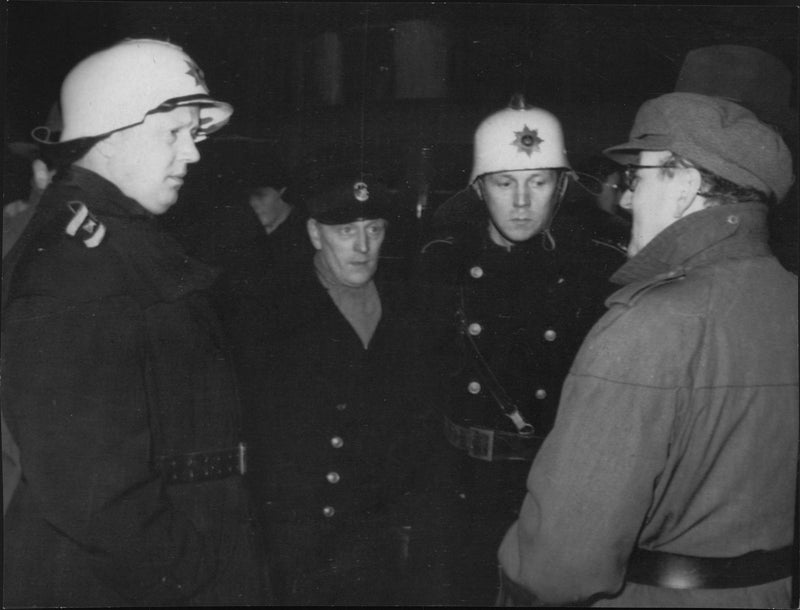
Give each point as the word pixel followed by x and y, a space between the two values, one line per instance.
pixel 335 427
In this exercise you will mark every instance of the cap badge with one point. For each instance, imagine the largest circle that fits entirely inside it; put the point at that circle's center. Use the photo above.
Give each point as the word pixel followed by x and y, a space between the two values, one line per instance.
pixel 360 191
pixel 527 140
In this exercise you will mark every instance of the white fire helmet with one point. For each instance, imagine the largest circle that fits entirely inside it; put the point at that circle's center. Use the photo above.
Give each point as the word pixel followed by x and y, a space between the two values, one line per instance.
pixel 119 86
pixel 519 137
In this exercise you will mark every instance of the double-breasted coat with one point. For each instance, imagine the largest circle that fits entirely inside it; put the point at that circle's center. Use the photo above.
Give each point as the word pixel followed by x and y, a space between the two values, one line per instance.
pixel 337 435
pixel 113 364
pixel 502 326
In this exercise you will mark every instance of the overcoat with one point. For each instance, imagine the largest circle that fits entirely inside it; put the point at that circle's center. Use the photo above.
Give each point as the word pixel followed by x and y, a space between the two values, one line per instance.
pixel 337 434
pixel 113 361
pixel 683 401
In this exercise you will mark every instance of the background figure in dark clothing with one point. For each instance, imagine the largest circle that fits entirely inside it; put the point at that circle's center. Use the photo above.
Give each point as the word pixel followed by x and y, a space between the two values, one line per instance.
pixel 334 427
pixel 505 292
pixel 37 169
pixel 115 382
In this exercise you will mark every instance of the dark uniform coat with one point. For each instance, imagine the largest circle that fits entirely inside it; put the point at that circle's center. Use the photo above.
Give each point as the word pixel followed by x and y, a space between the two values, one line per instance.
pixel 503 326
pixel 112 359
pixel 336 434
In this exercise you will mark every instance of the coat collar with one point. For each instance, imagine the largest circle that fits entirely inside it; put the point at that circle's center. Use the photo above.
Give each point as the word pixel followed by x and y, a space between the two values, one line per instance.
pixel 728 231
pixel 158 268
pixel 700 238
pixel 105 197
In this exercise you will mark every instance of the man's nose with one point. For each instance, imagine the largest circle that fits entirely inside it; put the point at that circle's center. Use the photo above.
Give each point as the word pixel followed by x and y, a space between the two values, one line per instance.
pixel 361 243
pixel 626 201
pixel 522 197
pixel 189 152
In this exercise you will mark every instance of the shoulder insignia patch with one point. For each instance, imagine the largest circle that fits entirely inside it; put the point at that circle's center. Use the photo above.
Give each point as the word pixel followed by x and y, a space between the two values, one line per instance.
pixel 84 225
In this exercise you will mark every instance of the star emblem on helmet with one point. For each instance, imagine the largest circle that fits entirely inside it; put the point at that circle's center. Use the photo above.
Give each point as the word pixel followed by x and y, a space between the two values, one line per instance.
pixel 196 73
pixel 527 140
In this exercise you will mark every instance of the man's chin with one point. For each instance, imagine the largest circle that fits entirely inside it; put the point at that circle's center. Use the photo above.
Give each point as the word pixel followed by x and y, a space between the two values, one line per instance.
pixel 518 236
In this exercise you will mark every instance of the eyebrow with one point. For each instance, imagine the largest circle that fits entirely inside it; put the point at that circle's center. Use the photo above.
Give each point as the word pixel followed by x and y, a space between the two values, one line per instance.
pixel 534 173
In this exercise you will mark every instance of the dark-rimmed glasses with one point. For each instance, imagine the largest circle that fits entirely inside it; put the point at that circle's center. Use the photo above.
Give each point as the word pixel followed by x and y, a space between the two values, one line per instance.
pixel 629 177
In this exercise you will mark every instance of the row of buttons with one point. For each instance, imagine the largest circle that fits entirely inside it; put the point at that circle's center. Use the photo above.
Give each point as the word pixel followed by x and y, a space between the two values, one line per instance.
pixel 474 387
pixel 476 329
pixel 477 272
pixel 337 442
pixel 333 478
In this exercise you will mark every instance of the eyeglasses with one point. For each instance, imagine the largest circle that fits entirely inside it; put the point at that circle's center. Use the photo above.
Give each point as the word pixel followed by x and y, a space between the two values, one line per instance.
pixel 629 177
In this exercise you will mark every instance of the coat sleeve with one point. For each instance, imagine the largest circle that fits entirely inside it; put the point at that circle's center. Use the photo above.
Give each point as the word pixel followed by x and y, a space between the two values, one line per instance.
pixel 74 393
pixel 591 486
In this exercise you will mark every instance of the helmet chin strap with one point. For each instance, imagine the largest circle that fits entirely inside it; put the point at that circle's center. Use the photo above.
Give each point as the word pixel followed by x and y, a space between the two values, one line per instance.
pixel 548 241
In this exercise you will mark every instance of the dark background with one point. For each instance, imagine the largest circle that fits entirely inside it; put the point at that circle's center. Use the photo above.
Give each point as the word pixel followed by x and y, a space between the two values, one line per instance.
pixel 565 57
pixel 591 64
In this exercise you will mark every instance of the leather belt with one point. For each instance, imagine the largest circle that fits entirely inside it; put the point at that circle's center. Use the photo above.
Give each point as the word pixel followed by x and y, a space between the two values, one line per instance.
pixel 671 571
pixel 491 445
pixel 203 465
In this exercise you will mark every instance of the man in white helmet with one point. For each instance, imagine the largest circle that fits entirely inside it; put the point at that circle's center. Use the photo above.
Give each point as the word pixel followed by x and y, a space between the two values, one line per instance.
pixel 506 293
pixel 115 383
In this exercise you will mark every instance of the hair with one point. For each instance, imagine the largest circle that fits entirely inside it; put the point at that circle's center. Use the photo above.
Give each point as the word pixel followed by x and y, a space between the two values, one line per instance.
pixel 718 190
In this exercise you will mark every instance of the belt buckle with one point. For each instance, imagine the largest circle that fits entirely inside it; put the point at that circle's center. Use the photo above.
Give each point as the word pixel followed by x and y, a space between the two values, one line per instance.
pixel 481 444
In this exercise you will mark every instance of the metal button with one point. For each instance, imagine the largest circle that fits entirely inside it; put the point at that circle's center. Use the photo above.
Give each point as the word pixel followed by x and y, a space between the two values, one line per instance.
pixel 476 272
pixel 474 329
pixel 541 394
pixel 550 335
pixel 328 511
pixel 337 442
pixel 474 387
pixel 341 406
pixel 333 477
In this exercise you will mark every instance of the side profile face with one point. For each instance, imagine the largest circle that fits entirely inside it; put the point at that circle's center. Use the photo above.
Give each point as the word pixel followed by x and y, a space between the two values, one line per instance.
pixel 349 250
pixel 269 207
pixel 654 198
pixel 610 193
pixel 148 162
pixel 520 203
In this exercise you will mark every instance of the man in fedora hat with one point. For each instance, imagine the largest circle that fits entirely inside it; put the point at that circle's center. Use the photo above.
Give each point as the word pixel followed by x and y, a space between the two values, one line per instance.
pixel 669 477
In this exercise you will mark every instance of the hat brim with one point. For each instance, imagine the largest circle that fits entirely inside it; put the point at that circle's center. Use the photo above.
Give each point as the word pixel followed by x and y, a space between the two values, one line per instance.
pixel 629 152
pixel 346 215
pixel 214 116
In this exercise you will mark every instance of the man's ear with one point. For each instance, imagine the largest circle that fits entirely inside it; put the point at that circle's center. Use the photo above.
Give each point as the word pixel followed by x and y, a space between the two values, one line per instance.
pixel 477 186
pixel 41 174
pixel 689 183
pixel 313 233
pixel 108 145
